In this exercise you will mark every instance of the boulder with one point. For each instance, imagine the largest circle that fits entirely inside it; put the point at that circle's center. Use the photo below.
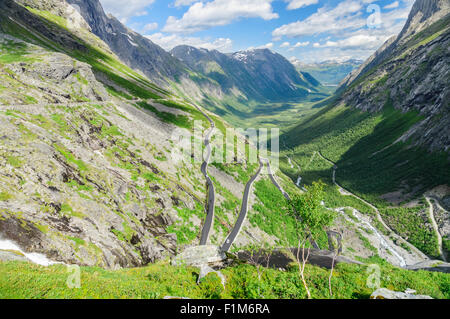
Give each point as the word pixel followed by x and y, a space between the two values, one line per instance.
pixel 384 293
pixel 199 255
pixel 431 265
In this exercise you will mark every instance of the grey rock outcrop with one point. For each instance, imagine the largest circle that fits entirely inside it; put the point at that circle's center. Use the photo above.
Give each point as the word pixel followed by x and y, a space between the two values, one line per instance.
pixel 132 48
pixel 200 255
pixel 431 265
pixel 55 78
pixel 384 293
pixel 282 258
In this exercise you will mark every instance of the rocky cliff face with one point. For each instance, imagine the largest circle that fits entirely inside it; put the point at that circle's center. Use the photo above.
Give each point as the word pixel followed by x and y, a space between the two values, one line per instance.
pixel 411 72
pixel 258 74
pixel 423 14
pixel 135 50
pixel 65 188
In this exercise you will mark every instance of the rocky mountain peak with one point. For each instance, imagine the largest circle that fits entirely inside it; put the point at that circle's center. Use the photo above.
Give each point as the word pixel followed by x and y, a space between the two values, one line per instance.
pixel 423 14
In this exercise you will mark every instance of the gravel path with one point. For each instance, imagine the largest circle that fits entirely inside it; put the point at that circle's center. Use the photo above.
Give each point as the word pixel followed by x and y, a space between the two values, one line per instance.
pixel 436 227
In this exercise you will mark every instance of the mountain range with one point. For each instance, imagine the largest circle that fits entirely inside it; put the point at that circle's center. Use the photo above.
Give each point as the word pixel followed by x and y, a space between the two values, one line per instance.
pixel 257 75
pixel 386 130
pixel 329 73
pixel 90 120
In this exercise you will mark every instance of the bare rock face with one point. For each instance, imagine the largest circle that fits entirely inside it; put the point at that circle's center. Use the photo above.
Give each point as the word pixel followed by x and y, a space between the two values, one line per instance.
pixel 60 79
pixel 282 259
pixel 64 196
pixel 71 164
pixel 423 14
pixel 431 265
pixel 384 293
pixel 135 50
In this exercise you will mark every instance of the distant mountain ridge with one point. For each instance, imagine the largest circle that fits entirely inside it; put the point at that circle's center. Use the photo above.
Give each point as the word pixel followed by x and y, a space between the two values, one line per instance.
pixel 329 73
pixel 259 74
pixel 269 75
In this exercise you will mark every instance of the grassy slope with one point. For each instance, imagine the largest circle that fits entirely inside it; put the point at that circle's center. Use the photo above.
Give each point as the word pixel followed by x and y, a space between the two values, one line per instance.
pixel 351 139
pixel 370 164
pixel 130 85
pixel 23 280
pixel 127 84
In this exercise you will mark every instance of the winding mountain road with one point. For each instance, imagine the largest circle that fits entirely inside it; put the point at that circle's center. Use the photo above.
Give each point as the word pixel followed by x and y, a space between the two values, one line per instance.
pixel 209 221
pixel 436 227
pixel 243 213
pixel 274 181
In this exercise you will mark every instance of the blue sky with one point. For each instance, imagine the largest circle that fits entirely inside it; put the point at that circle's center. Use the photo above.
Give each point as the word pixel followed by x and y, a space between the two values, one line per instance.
pixel 309 30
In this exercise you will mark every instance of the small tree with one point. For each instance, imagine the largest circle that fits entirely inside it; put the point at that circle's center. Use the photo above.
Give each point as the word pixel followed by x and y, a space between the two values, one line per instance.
pixel 259 257
pixel 313 219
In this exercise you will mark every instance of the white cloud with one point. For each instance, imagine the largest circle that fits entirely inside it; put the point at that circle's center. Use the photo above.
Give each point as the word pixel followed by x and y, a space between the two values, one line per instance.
pixel 285 45
pixel 297 4
pixel 342 31
pixel 301 44
pixel 202 16
pixel 393 5
pixel 181 3
pixel 361 41
pixel 124 11
pixel 346 15
pixel 269 45
pixel 169 41
pixel 150 27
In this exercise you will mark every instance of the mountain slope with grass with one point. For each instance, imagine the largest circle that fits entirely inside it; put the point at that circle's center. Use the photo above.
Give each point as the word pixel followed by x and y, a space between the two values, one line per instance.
pixel 412 73
pixel 86 167
pixel 387 130
pixel 270 78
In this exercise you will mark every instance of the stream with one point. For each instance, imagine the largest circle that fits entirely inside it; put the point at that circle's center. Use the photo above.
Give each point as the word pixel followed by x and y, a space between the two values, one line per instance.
pixel 36 258
pixel 383 241
pixel 291 164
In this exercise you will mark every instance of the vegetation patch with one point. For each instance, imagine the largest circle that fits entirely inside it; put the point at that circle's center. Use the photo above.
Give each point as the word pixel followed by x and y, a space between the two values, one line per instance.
pixel 19 280
pixel 414 226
